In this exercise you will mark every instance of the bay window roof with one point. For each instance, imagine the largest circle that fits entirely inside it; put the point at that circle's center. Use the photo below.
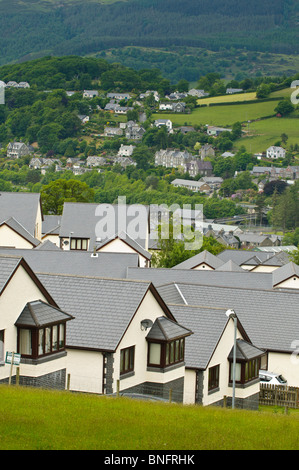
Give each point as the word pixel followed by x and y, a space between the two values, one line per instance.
pixel 165 329
pixel 39 314
pixel 245 351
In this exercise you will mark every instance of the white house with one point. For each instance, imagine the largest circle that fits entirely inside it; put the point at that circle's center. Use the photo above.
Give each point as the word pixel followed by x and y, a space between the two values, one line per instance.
pixel 164 122
pixel 215 131
pixel 31 324
pixel 83 118
pixel 24 85
pixel 165 106
pixel 276 152
pixel 122 337
pixel 191 185
pixel 231 91
pixel 125 150
pixel 90 93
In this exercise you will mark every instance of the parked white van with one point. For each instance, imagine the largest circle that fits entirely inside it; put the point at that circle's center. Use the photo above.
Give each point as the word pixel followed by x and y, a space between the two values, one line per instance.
pixel 272 378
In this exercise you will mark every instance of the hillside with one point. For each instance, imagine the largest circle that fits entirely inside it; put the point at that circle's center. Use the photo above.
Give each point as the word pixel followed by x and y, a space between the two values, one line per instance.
pixel 71 27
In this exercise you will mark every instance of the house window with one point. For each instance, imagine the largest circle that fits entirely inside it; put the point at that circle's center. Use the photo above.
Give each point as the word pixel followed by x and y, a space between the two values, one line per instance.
pixel 246 371
pixel 213 377
pixel 127 360
pixel 155 354
pixel 25 342
pixel 251 370
pixel 238 372
pixel 264 362
pixel 166 354
pixel 79 244
pixel 1 345
pixel 38 342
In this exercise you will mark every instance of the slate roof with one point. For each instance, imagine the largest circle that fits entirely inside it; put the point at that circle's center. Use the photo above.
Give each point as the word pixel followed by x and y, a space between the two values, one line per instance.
pixel 160 276
pixel 51 224
pixel 8 265
pixel 245 351
pixel 171 294
pixel 23 232
pixel 253 261
pixel 103 308
pixel 230 266
pixel 113 265
pixel 285 272
pixel 49 246
pixel 207 325
pixel 129 241
pixel 203 257
pixel 22 206
pixel 278 259
pixel 89 220
pixel 40 314
pixel 269 317
pixel 241 256
pixel 165 329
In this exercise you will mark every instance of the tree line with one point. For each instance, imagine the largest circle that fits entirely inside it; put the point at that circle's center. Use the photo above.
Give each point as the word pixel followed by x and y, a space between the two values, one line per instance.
pixel 91 27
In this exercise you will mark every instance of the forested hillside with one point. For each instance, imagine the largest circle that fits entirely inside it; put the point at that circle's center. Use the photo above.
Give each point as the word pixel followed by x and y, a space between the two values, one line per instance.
pixel 51 27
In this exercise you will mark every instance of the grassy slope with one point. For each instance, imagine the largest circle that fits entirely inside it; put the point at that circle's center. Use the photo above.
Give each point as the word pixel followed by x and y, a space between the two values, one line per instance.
pixel 266 133
pixel 32 419
pixel 222 115
pixel 262 134
pixel 229 98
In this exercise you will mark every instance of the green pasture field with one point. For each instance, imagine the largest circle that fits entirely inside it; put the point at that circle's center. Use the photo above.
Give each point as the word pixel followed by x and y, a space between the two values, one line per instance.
pixel 33 419
pixel 223 116
pixel 228 98
pixel 267 132
pixel 286 92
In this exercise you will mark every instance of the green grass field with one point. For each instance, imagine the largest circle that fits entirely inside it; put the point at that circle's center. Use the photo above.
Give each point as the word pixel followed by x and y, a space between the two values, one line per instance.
pixel 228 98
pixel 33 419
pixel 243 97
pixel 261 134
pixel 267 132
pixel 221 115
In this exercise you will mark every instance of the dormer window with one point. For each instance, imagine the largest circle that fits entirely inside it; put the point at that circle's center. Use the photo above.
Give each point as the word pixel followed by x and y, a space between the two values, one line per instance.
pixel 80 244
pixel 41 330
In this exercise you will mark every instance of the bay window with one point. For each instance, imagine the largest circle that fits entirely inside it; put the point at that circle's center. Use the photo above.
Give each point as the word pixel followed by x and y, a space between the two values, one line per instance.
pixel 248 362
pixel 166 354
pixel 39 342
pixel 245 370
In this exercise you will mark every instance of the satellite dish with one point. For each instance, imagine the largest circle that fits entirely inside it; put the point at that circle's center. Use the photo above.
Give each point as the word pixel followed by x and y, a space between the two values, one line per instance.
pixel 145 324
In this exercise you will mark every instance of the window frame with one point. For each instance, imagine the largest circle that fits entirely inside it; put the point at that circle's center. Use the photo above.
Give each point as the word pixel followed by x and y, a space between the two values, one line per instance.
pixel 249 370
pixel 2 346
pixel 172 352
pixel 41 332
pixel 78 244
pixel 127 354
pixel 213 377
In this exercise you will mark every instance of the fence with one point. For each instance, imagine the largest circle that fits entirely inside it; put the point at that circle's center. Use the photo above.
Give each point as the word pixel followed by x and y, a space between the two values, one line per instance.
pixel 276 395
